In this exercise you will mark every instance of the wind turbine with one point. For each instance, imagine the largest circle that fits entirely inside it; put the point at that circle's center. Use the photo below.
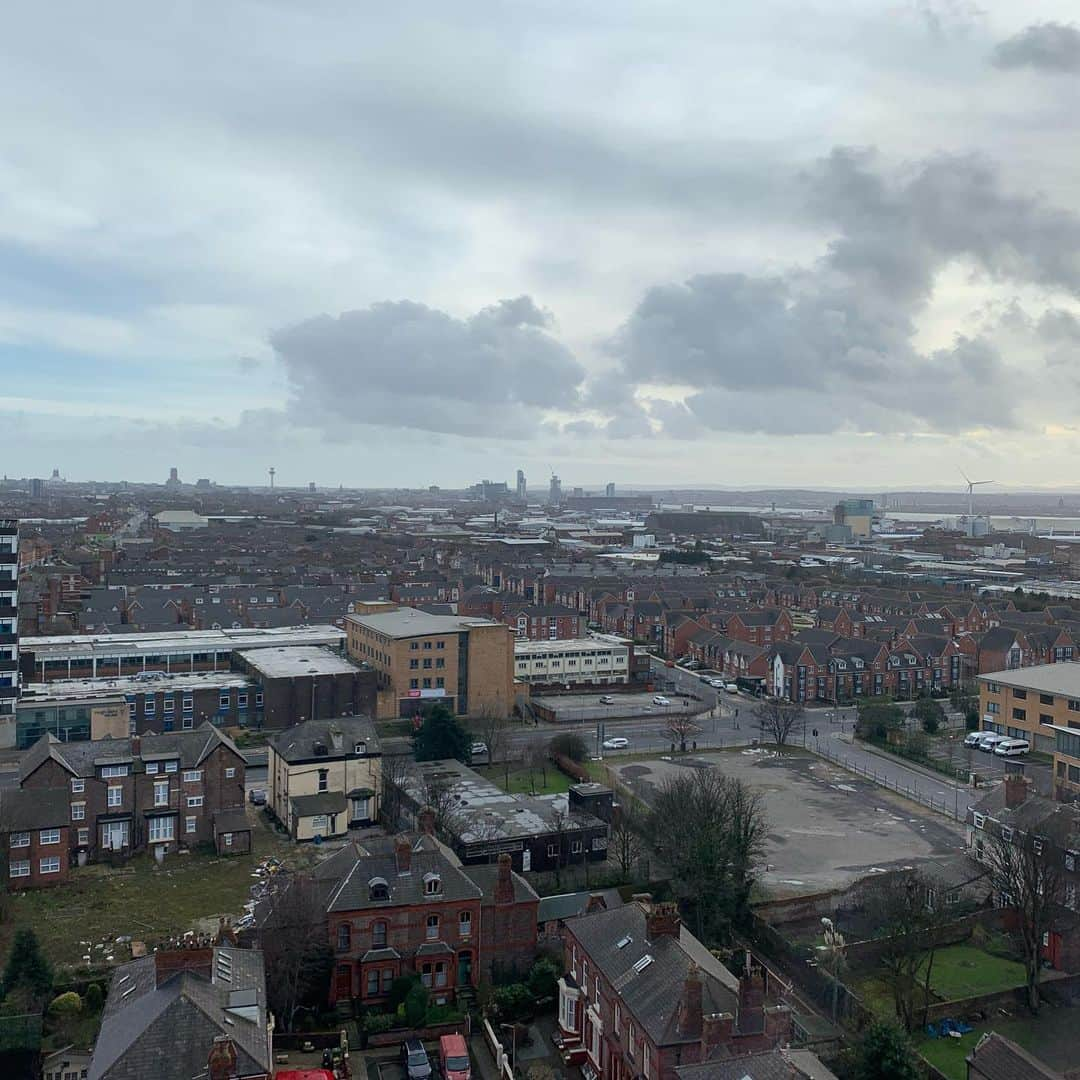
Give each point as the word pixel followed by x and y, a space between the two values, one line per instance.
pixel 972 485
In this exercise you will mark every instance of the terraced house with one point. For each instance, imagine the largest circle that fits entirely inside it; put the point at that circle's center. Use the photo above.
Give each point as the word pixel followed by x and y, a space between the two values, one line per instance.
pixel 158 792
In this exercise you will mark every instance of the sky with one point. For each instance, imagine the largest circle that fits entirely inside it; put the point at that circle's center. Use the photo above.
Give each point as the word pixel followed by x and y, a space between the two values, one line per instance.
pixel 763 243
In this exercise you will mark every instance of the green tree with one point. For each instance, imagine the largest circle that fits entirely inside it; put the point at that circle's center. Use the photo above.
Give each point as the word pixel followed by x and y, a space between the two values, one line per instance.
pixel 69 1004
pixel 27 967
pixel 95 997
pixel 416 1005
pixel 885 1053
pixel 441 736
pixel 930 714
pixel 569 745
pixel 543 978
pixel 877 719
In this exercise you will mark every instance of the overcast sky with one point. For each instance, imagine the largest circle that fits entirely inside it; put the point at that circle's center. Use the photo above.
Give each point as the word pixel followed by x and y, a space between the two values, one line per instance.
pixel 767 243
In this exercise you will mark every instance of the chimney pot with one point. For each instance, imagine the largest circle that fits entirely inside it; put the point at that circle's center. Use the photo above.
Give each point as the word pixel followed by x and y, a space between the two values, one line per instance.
pixel 504 883
pixel 403 850
pixel 426 819
pixel 662 920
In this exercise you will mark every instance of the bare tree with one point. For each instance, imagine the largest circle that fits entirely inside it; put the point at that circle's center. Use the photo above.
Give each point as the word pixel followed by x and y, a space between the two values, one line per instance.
pixel 493 728
pixel 779 720
pixel 1025 871
pixel 625 845
pixel 395 771
pixel 442 794
pixel 679 727
pixel 899 906
pixel 710 830
pixel 537 759
pixel 296 950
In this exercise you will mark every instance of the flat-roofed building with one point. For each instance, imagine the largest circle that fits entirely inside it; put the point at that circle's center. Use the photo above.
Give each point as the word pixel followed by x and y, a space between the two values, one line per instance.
pixel 419 658
pixel 601 659
pixel 1040 704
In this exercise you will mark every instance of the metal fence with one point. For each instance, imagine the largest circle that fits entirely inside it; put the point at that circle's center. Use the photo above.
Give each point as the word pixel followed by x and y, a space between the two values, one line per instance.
pixel 950 803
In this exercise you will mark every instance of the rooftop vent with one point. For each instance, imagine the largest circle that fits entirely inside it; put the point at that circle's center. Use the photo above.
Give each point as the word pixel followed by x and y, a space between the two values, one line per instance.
pixel 643 963
pixel 623 942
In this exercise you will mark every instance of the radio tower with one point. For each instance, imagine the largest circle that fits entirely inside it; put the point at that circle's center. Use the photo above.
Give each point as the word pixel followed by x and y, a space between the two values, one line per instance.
pixel 272 471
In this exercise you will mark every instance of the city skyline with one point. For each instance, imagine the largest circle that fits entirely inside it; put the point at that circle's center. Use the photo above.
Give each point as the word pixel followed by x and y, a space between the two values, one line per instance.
pixel 368 257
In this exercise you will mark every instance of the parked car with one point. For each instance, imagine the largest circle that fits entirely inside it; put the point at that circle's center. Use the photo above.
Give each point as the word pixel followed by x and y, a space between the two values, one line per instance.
pixel 989 740
pixel 660 700
pixel 257 796
pixel 478 748
pixel 974 738
pixel 617 743
pixel 692 664
pixel 1012 748
pixel 732 688
pixel 454 1057
pixel 607 699
pixel 414 1058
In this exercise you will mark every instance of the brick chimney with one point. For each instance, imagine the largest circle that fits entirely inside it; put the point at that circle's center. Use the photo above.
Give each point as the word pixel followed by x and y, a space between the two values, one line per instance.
pixel 751 1019
pixel 504 882
pixel 403 851
pixel 1016 790
pixel 136 745
pixel 690 1004
pixel 170 961
pixel 778 1025
pixel 662 920
pixel 716 1029
pixel 426 820
pixel 221 1063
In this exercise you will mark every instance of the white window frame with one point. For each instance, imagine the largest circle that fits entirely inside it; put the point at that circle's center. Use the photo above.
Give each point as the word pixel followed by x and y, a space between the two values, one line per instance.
pixel 192 776
pixel 113 772
pixel 78 811
pixel 78 786
pixel 19 868
pixel 191 824
pixel 115 796
pixel 19 840
pixel 194 800
pixel 49 865
pixel 172 766
pixel 48 837
pixel 230 773
pixel 161 792
pixel 161 829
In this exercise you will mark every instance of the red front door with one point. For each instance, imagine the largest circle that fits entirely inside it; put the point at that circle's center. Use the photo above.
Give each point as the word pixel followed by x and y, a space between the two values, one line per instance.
pixel 343 983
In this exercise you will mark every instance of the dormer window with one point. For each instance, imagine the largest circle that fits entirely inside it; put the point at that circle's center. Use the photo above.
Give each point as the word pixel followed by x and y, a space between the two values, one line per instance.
pixel 360 748
pixel 378 889
pixel 432 885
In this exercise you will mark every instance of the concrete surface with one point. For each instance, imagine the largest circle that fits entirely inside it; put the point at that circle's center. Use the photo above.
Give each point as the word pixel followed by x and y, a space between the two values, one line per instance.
pixel 827 827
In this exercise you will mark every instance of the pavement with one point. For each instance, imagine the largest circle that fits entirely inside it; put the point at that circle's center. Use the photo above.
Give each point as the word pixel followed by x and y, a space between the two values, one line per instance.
pixel 827 827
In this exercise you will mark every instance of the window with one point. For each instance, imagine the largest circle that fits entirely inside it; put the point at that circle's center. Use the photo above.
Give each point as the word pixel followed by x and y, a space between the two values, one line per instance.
pixel 414 665
pixel 169 704
pixel 151 768
pixel 110 771
pixel 1074 705
pixel 344 937
pixel 575 847
pixel 228 838
pixel 993 708
pixel 372 982
pixel 1019 714
pixel 440 644
pixel 49 836
pixel 414 646
pixel 645 1060
pixel 192 776
pixel 980 820
pixel 171 766
pixel 161 792
pixel 148 706
pixel 19 868
pixel 630 1040
pixel 387 979
pixel 1046 699
pixel 427 684
pixel 319 823
pixel 993 688
pixel 427 663
pixel 78 786
pixel 241 701
pixel 427 645
pixel 194 800
pixel 414 684
pixel 161 828
pixel 223 701
pixel 1045 718
pixel 116 796
pixel 432 927
pixel 432 885
pixel 440 663
pixel 324 779
pixel 230 773
pixel 553 850
pixel 190 824
pixel 83 837
pixel 51 865
pixel 360 748
pixel 464 923
pixel 440 681
pixel 1020 695
pixel 20 839
pixel 378 935
pixel 78 811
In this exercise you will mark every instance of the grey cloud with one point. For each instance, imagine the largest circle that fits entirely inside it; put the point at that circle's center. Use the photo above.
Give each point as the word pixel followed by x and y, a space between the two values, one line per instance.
pixel 845 325
pixel 1048 46
pixel 406 365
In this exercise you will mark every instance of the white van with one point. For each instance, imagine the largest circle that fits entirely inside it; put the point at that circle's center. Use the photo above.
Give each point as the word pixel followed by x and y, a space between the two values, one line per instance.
pixel 989 740
pixel 1012 747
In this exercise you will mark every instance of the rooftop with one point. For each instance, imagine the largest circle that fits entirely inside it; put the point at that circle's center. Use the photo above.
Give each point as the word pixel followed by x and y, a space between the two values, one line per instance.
pixel 283 662
pixel 1045 678
pixel 67 689
pixel 408 622
pixel 571 645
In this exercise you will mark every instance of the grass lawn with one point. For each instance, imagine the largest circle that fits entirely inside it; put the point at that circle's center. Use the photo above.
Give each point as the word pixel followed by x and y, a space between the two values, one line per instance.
pixel 140 899
pixel 522 782
pixel 948 1054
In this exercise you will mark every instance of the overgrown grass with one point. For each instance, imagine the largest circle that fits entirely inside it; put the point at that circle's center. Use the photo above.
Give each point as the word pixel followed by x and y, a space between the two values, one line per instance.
pixel 139 899
pixel 526 782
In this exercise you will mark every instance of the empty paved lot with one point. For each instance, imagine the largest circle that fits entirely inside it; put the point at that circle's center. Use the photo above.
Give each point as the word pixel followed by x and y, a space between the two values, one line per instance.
pixel 826 826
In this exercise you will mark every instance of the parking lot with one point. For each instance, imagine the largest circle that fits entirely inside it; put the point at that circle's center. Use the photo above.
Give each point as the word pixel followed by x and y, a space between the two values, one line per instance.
pixel 578 707
pixel 827 827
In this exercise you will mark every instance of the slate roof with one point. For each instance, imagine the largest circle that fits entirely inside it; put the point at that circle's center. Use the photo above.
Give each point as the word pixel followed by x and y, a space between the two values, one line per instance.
pixel 998 1058
pixel 771 1065
pixel 168 1030
pixel 339 736
pixel 652 995
pixel 325 802
pixel 81 758
pixel 569 905
pixel 486 876
pixel 353 894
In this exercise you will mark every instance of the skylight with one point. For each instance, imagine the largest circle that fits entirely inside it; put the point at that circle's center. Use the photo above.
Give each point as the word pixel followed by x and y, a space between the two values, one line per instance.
pixel 623 942
pixel 643 963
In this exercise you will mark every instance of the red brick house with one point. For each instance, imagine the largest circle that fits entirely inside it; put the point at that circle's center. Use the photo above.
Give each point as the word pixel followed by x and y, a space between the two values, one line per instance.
pixel 407 905
pixel 543 622
pixel 149 791
pixel 34 836
pixel 763 627
pixel 641 996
